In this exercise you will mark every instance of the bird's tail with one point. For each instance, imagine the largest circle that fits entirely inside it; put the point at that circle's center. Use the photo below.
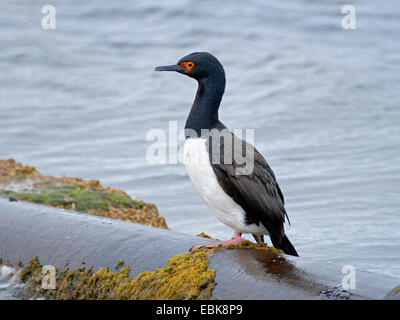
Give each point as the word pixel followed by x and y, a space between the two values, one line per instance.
pixel 284 244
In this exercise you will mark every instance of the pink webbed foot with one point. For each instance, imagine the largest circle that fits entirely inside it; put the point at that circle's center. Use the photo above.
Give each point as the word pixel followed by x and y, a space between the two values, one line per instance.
pixel 236 240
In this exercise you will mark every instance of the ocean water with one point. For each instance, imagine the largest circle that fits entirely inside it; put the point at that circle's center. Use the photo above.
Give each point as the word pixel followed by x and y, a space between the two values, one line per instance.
pixel 324 103
pixel 9 284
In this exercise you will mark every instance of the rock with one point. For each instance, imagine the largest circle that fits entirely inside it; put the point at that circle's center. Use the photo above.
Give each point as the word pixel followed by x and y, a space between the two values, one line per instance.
pixel 18 182
pixel 28 230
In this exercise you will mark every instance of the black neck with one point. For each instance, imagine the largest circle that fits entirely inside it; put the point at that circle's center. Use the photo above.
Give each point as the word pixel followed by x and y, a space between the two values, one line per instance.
pixel 204 112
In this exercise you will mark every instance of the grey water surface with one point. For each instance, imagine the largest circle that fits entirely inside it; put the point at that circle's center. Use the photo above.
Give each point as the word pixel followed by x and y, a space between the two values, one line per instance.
pixel 324 103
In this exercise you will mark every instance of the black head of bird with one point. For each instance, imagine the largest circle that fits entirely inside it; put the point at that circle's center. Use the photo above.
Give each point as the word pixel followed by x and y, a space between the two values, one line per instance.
pixel 209 73
pixel 197 65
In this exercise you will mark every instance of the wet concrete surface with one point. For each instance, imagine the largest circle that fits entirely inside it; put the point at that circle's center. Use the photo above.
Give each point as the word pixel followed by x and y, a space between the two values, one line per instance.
pixel 393 294
pixel 60 238
pixel 262 275
pixel 268 275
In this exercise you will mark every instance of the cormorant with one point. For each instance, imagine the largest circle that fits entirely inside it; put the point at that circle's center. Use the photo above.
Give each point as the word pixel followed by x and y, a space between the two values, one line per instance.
pixel 247 201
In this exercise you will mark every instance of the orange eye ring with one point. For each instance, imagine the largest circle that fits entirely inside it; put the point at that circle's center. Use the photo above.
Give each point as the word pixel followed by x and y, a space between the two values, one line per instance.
pixel 188 65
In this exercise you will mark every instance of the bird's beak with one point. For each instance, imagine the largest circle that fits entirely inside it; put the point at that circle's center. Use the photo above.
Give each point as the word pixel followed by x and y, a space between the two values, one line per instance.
pixel 173 67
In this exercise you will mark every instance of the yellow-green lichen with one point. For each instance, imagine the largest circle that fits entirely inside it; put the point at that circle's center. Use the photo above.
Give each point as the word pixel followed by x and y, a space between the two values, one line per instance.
pixel 204 235
pixel 119 264
pixel 5 263
pixel 249 244
pixel 243 244
pixel 185 277
pixel 31 269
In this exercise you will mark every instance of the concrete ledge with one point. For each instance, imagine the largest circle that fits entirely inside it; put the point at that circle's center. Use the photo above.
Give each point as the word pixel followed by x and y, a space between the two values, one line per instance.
pixel 60 237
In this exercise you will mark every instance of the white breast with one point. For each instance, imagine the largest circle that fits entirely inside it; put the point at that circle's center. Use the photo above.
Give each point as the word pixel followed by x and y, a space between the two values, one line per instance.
pixel 201 173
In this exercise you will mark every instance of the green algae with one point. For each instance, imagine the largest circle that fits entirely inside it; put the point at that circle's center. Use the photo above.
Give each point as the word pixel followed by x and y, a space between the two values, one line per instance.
pixel 5 262
pixel 76 196
pixel 19 182
pixel 249 244
pixel 243 244
pixel 119 264
pixel 205 235
pixel 185 277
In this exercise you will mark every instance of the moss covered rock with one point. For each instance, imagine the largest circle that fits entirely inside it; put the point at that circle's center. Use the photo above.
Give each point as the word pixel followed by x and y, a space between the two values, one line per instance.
pixel 18 182
pixel 185 277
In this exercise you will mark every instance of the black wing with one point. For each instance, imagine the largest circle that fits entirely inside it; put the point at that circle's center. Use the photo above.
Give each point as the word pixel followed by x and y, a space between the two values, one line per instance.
pixel 257 192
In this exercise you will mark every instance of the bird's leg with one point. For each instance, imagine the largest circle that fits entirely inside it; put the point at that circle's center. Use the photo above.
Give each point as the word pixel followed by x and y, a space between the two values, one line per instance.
pixel 236 240
pixel 258 238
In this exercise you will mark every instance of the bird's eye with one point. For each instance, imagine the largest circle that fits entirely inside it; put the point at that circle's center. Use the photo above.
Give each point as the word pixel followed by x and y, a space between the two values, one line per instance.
pixel 188 65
